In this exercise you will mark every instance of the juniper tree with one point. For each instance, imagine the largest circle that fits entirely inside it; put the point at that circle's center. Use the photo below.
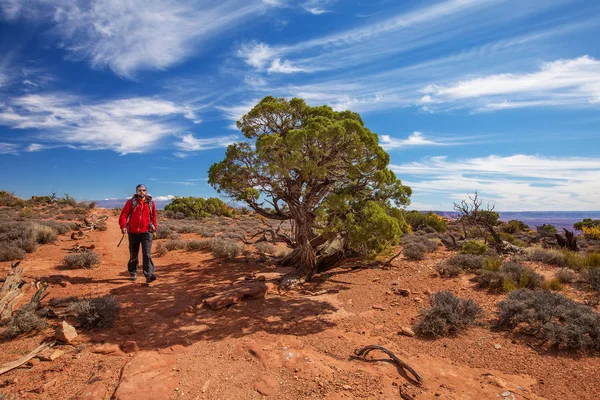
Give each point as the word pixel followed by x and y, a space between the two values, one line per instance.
pixel 323 170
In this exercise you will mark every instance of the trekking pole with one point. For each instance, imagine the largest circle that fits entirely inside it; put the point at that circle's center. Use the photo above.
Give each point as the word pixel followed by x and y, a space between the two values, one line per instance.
pixel 122 237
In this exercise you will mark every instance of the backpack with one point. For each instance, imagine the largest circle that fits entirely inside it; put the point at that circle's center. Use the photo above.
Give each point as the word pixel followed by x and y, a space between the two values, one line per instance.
pixel 135 202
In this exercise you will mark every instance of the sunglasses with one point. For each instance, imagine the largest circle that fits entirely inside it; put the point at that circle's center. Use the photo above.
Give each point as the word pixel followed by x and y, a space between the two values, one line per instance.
pixel 141 190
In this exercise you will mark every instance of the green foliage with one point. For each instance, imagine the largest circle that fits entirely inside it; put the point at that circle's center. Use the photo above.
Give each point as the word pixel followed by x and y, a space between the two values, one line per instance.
pixel 321 168
pixel 9 199
pixel 551 318
pixel 592 260
pixel 492 263
pixel 473 247
pixel 26 212
pixel 553 284
pixel 587 223
pixel 198 207
pixel 419 220
pixel 448 315
pixel 546 229
pixel 514 226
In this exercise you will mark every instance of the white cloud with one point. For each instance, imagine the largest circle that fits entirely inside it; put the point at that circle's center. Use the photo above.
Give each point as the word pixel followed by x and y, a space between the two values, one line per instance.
pixel 318 7
pixel 284 67
pixel 8 148
pixel 560 82
pixel 129 36
pixel 190 143
pixel 163 198
pixel 418 139
pixel 131 125
pixel 256 54
pixel 518 182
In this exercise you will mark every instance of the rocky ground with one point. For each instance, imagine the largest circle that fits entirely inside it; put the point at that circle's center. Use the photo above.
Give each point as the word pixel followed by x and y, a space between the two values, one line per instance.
pixel 299 344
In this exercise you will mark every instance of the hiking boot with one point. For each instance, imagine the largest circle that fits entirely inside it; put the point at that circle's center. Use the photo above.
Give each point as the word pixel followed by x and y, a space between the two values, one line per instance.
pixel 150 278
pixel 132 277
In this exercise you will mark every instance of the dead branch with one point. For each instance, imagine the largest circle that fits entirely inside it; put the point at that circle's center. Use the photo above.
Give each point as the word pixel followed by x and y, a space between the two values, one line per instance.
pixel 363 352
pixel 11 291
pixel 570 242
pixel 15 364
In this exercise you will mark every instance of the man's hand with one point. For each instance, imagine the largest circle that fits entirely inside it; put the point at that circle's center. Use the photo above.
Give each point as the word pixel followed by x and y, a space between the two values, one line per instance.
pixel 123 230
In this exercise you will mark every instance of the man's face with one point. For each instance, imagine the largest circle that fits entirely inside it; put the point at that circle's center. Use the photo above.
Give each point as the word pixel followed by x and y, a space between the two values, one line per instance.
pixel 141 192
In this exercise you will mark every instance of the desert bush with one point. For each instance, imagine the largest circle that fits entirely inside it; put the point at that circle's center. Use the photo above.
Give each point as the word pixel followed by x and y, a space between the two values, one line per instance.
pixel 87 259
pixel 282 252
pixel 566 275
pixel 419 220
pixel 233 236
pixel 594 279
pixel 61 229
pixel 101 226
pixel 175 244
pixel 10 251
pixel 550 317
pixel 592 233
pixel 25 320
pixel 546 229
pixel 197 245
pixel 207 233
pixel 448 315
pixel 573 260
pixel 492 263
pixel 414 251
pixel 553 284
pixel 587 223
pixel 160 249
pixel 97 313
pixel 523 277
pixel 9 199
pixel 186 229
pixel 225 249
pixel 26 212
pixel 42 234
pixel 163 233
pixel 592 260
pixel 514 226
pixel 264 248
pixel 546 256
pixel 473 247
pixel 448 270
pixel 466 262
pixel 197 207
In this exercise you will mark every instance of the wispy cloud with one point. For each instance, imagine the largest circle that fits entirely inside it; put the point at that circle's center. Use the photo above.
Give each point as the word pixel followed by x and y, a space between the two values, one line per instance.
pixel 189 143
pixel 130 125
pixel 8 148
pixel 560 82
pixel 134 35
pixel 416 139
pixel 318 7
pixel 523 182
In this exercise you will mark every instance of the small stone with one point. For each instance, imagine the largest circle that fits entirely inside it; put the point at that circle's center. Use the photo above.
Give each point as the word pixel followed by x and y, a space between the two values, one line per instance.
pixel 395 283
pixel 427 292
pixel 505 394
pixel 51 356
pixel 33 362
pixel 406 331
pixel 378 307
pixel 65 333
pixel 347 387
pixel 497 346
pixel 417 299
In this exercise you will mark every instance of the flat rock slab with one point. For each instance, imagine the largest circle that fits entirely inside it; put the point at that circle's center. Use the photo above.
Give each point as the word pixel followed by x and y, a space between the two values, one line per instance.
pixel 235 295
pixel 148 375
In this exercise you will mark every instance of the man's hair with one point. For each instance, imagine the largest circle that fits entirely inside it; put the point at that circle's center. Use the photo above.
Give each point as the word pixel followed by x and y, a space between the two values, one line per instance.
pixel 139 186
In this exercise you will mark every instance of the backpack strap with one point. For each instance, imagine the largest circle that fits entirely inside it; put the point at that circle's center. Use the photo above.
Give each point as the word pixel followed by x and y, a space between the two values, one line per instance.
pixel 134 203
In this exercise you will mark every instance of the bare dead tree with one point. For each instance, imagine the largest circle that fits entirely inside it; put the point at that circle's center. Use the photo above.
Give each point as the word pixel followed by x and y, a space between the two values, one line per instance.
pixel 472 214
pixel 569 241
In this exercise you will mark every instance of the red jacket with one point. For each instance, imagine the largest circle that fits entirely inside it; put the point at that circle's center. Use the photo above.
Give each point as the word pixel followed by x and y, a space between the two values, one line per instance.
pixel 138 220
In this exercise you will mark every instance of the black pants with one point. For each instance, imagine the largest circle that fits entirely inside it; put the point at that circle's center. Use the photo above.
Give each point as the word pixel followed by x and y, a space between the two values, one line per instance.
pixel 135 240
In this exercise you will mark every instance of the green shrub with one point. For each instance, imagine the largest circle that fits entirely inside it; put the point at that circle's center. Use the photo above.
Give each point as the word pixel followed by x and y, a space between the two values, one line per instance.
pixel 197 207
pixel 97 313
pixel 492 263
pixel 414 251
pixel 546 230
pixel 473 247
pixel 573 260
pixel 225 249
pixel 552 318
pixel 586 223
pixel 592 260
pixel 26 212
pixel 553 284
pixel 448 315
pixel 419 220
pixel 514 226
pixel 87 259
pixel 511 276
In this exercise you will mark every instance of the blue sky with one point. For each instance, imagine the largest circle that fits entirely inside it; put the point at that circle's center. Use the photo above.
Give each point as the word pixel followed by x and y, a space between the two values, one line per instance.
pixel 499 96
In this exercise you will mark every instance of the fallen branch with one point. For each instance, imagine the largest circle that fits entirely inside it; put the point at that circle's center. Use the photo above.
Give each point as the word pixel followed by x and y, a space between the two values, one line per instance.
pixel 363 352
pixel 15 364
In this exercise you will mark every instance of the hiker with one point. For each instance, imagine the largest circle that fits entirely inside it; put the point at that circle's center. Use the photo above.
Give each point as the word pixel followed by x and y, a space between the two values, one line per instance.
pixel 138 220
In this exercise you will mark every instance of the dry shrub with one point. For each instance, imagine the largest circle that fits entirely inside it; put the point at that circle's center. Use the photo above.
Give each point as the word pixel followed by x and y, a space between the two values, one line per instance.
pixel 566 275
pixel 553 284
pixel 448 315
pixel 264 248
pixel 187 229
pixel 10 251
pixel 197 245
pixel 448 270
pixel 414 251
pixel 474 247
pixel 546 256
pixel 466 262
pixel 97 313
pixel 511 276
pixel 594 279
pixel 175 244
pixel 552 318
pixel 61 229
pixel 225 249
pixel 160 249
pixel 87 259
pixel 25 320
pixel 42 234
pixel 207 233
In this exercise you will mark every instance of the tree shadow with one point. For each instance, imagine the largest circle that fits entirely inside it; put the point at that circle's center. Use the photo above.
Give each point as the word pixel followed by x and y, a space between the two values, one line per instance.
pixel 169 311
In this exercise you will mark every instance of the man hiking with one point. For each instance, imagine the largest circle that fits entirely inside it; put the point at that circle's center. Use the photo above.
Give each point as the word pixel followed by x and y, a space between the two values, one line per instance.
pixel 138 220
